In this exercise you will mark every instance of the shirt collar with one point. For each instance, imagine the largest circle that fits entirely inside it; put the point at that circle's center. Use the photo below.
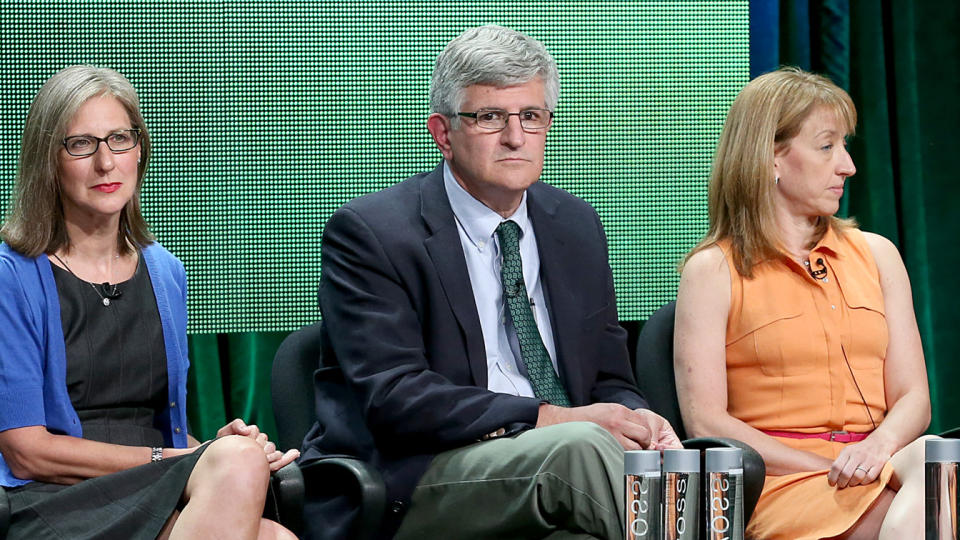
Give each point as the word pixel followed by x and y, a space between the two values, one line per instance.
pixel 477 220
pixel 829 242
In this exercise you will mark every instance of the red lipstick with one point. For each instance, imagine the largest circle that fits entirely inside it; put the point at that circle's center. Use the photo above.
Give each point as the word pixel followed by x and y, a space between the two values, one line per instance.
pixel 108 188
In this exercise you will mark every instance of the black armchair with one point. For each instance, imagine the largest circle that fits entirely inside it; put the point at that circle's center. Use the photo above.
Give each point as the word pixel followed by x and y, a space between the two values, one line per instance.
pixel 654 371
pixel 951 433
pixel 284 502
pixel 299 355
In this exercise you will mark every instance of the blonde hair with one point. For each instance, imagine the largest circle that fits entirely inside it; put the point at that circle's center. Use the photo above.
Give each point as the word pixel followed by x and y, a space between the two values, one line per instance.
pixel 765 116
pixel 35 222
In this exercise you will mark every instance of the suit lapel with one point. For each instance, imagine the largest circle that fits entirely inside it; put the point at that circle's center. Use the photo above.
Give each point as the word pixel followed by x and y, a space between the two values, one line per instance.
pixel 443 246
pixel 554 252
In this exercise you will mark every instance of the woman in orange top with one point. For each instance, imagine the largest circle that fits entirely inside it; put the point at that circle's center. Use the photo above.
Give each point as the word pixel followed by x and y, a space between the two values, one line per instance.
pixel 795 331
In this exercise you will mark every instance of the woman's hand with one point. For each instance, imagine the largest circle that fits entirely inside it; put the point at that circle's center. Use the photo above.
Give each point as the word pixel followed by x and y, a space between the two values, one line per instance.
pixel 904 378
pixel 238 427
pixel 859 463
pixel 276 458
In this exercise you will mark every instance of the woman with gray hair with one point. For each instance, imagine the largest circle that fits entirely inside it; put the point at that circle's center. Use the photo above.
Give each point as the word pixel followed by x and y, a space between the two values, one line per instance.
pixel 795 331
pixel 93 348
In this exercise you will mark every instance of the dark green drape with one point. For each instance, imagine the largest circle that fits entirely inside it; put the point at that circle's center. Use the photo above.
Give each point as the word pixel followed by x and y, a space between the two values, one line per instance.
pixel 898 60
pixel 230 378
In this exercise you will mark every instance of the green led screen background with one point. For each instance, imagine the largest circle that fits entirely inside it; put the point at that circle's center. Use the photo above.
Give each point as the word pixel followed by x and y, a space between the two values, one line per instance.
pixel 267 116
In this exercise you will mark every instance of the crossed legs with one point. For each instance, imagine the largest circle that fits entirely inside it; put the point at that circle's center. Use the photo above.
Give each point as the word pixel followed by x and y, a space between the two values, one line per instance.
pixel 898 511
pixel 905 517
pixel 225 495
pixel 560 481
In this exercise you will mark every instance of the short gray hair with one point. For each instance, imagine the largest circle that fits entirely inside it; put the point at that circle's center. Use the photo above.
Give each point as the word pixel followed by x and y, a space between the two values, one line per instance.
pixel 35 221
pixel 491 55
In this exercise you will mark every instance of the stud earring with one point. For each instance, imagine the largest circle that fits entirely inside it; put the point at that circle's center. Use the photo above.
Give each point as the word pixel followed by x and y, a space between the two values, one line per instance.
pixel 776 180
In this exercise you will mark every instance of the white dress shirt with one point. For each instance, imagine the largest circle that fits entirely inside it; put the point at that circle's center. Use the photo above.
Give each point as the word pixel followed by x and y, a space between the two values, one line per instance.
pixel 477 226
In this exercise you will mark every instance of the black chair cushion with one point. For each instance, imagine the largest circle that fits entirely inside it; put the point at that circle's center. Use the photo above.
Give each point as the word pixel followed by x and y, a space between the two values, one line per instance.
pixel 298 373
pixel 292 384
pixel 654 367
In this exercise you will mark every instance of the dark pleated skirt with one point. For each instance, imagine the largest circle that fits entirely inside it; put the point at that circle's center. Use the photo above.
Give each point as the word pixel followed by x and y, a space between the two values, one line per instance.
pixel 130 504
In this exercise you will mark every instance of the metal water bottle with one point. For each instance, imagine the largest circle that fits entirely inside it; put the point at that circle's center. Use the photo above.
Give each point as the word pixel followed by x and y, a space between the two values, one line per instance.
pixel 940 478
pixel 643 511
pixel 723 501
pixel 681 494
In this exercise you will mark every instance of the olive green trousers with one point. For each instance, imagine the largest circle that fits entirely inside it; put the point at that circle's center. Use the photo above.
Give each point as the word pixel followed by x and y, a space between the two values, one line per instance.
pixel 561 481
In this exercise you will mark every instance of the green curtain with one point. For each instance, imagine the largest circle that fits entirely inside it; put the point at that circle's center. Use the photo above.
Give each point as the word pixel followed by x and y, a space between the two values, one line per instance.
pixel 230 378
pixel 898 59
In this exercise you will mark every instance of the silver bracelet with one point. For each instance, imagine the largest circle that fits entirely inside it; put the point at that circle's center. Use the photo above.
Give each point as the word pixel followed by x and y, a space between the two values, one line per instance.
pixel 156 454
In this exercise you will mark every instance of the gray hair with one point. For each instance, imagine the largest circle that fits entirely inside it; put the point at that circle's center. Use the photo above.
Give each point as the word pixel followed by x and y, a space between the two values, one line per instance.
pixel 491 55
pixel 35 221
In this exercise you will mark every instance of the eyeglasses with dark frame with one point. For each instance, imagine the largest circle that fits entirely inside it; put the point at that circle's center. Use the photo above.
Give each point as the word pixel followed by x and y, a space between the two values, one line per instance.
pixel 87 145
pixel 496 119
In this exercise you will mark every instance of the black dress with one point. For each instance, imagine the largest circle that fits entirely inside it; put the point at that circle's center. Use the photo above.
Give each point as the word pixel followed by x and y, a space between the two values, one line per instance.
pixel 117 381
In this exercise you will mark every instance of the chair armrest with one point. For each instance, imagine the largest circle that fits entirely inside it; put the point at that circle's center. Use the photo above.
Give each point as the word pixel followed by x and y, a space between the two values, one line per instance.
pixel 754 471
pixel 951 433
pixel 4 513
pixel 367 482
pixel 284 502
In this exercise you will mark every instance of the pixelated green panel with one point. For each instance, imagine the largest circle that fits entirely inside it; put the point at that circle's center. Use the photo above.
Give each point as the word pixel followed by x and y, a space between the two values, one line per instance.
pixel 266 116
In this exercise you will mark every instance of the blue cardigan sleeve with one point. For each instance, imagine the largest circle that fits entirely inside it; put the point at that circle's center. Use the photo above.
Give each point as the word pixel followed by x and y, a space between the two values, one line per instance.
pixel 22 352
pixel 170 288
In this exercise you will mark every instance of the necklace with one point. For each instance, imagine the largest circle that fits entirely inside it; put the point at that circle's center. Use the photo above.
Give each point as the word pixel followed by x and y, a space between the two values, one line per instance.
pixel 104 299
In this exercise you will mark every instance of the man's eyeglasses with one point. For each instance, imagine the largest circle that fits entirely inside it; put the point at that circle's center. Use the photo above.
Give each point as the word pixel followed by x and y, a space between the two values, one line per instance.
pixel 496 119
pixel 87 145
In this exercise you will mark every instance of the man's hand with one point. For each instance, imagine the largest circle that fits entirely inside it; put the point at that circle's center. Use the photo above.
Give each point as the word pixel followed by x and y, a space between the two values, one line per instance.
pixel 662 432
pixel 276 458
pixel 638 429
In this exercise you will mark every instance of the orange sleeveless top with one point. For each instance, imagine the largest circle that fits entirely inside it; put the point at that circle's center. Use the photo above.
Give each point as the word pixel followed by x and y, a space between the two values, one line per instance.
pixel 806 354
pixel 793 341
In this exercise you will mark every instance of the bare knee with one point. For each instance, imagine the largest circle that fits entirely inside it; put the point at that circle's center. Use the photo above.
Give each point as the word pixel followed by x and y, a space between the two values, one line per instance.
pixel 908 463
pixel 233 464
pixel 237 452
pixel 914 452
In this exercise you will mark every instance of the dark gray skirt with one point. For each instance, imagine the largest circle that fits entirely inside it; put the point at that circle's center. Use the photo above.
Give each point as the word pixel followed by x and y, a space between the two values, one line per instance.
pixel 134 503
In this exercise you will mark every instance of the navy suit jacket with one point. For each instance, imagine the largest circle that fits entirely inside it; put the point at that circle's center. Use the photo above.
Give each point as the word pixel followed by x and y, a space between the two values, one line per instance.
pixel 405 370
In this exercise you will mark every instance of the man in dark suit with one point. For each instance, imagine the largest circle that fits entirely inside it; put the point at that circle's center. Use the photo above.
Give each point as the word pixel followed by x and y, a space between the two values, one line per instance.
pixel 472 317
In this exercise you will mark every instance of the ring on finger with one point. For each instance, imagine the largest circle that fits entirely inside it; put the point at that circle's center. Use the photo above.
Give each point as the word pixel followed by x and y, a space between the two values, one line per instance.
pixel 860 468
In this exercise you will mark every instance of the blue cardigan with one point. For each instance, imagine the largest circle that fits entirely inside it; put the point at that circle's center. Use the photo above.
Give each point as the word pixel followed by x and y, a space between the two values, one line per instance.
pixel 33 361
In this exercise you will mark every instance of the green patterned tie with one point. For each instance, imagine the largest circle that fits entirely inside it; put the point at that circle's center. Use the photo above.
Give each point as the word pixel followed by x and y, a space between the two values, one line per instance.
pixel 543 378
